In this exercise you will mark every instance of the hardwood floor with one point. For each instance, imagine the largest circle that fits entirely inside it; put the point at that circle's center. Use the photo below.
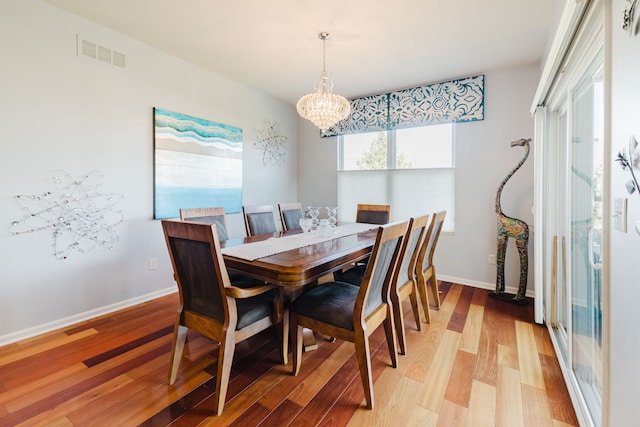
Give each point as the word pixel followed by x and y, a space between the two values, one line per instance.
pixel 481 362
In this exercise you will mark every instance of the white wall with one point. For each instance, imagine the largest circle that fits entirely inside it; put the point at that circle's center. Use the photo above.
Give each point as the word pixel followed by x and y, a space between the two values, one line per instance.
pixel 624 289
pixel 483 158
pixel 63 112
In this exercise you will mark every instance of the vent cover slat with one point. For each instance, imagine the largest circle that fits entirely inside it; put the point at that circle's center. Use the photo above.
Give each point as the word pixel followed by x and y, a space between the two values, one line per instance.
pixel 92 51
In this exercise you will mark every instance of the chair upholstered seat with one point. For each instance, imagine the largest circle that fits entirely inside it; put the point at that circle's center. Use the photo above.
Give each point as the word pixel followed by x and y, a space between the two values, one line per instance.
pixel 331 303
pixel 353 275
pixel 252 309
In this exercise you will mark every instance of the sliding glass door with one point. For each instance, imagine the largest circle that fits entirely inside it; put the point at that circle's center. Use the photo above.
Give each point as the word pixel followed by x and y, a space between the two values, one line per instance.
pixel 574 156
pixel 576 152
pixel 586 148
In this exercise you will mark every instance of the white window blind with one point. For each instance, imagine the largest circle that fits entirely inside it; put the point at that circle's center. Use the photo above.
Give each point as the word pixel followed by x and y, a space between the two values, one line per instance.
pixel 410 192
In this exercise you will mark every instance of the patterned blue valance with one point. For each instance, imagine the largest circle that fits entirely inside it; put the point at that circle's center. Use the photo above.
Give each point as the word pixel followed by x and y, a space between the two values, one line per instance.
pixel 459 100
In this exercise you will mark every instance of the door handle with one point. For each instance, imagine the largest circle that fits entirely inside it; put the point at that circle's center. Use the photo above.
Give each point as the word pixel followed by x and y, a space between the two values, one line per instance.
pixel 595 248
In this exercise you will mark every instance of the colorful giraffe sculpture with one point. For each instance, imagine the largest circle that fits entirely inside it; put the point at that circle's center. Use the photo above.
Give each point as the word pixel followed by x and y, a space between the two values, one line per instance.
pixel 517 229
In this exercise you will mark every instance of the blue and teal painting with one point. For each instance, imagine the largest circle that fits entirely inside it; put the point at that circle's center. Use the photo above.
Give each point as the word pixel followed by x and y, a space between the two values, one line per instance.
pixel 198 163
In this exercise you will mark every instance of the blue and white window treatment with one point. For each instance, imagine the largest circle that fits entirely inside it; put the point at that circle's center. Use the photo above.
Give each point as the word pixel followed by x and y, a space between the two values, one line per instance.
pixel 460 100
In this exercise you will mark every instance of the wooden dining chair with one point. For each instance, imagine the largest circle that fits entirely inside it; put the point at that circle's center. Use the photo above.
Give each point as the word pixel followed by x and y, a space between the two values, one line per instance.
pixel 373 214
pixel 404 283
pixel 214 215
pixel 353 313
pixel 290 214
pixel 211 305
pixel 259 219
pixel 425 270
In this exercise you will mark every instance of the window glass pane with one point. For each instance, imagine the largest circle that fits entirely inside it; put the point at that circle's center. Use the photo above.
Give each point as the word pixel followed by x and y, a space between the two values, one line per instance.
pixel 425 147
pixel 364 151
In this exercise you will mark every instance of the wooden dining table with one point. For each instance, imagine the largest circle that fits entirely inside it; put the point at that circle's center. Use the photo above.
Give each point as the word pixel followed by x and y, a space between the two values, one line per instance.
pixel 293 269
pixel 301 266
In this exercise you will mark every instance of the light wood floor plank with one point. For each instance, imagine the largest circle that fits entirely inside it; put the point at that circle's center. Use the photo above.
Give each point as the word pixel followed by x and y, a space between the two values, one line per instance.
pixel 399 408
pixel 421 417
pixel 426 348
pixel 482 405
pixel 471 331
pixel 509 412
pixel 452 415
pixel 529 361
pixel 557 423
pixel 438 376
pixel 535 407
pixel 508 357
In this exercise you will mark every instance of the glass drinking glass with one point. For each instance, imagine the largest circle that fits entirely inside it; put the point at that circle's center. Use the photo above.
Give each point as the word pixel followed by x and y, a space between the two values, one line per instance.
pixel 305 224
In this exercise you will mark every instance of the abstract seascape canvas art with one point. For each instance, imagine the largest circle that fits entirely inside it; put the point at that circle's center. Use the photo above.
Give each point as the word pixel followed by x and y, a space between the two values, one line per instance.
pixel 197 163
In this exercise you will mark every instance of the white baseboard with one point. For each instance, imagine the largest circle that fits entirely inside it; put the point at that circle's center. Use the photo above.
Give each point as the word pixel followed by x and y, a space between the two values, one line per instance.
pixel 483 285
pixel 81 317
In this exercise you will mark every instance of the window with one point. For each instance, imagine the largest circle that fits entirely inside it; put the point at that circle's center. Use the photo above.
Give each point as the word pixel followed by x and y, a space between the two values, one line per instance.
pixel 410 169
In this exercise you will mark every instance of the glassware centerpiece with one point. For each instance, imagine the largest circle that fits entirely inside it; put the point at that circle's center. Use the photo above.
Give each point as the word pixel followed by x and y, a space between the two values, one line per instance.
pixel 332 213
pixel 313 214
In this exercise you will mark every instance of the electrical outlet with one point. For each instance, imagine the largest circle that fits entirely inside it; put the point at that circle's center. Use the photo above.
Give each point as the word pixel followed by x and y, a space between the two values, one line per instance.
pixel 153 263
pixel 492 259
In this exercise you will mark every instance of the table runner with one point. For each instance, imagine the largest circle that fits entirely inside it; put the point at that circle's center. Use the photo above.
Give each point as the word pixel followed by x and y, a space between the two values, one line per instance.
pixel 274 245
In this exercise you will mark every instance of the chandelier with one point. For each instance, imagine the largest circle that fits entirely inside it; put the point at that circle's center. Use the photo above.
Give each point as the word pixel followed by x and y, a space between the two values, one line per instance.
pixel 323 108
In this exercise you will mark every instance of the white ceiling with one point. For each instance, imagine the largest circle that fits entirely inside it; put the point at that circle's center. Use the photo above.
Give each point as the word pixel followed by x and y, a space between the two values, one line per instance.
pixel 375 45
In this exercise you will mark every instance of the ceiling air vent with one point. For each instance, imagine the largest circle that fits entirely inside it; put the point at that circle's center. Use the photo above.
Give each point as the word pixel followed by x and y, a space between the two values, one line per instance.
pixel 93 51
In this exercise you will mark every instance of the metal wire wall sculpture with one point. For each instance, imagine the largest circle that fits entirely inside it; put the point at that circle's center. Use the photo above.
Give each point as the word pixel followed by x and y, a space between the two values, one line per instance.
pixel 76 212
pixel 272 143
